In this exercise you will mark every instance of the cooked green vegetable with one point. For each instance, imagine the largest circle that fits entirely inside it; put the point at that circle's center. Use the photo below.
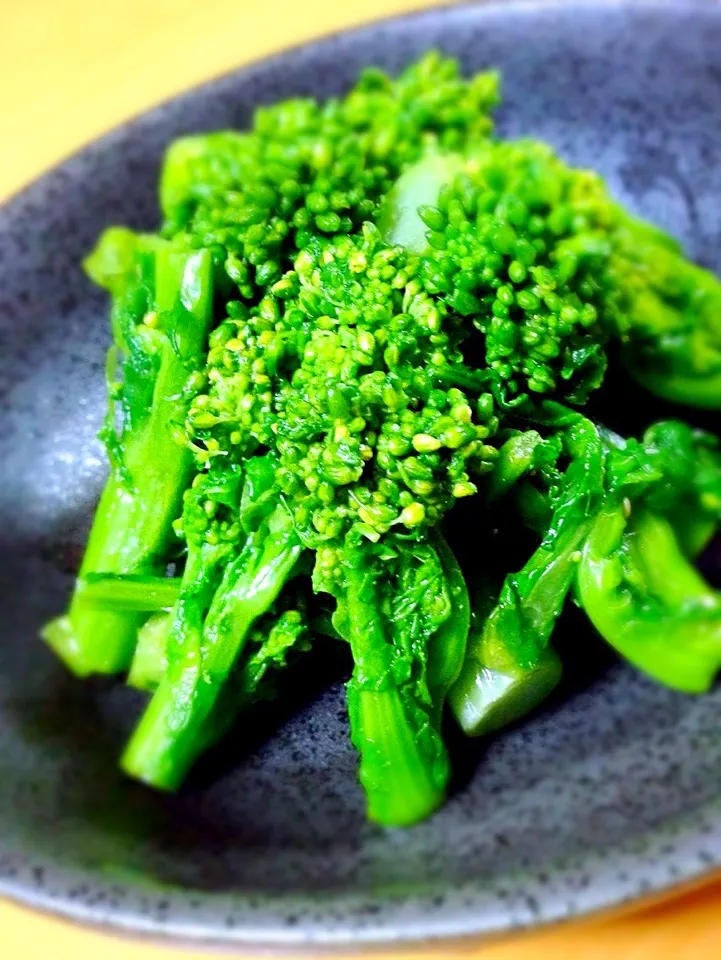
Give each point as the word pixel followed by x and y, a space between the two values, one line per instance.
pixel 510 667
pixel 355 315
pixel 647 600
pixel 169 736
pixel 151 652
pixel 636 580
pixel 392 604
pixel 162 309
pixel 119 591
pixel 231 578
pixel 507 244
pixel 667 314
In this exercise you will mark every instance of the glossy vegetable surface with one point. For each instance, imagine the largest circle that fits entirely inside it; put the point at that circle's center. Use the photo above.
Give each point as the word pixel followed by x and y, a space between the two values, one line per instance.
pixel 368 346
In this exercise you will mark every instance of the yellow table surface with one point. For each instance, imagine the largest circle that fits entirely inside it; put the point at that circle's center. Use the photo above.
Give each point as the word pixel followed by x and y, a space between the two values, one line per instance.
pixel 73 69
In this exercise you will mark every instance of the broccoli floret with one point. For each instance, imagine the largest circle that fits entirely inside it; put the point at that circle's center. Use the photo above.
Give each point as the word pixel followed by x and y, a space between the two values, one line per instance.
pixel 548 265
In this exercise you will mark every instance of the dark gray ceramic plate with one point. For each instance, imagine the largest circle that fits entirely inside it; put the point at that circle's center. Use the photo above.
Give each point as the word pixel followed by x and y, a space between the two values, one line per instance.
pixel 612 791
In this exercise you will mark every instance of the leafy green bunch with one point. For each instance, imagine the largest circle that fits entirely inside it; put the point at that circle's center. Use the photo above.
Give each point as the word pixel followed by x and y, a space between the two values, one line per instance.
pixel 356 389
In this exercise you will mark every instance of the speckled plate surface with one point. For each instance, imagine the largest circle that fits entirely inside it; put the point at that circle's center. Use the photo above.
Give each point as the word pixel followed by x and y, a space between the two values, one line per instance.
pixel 611 791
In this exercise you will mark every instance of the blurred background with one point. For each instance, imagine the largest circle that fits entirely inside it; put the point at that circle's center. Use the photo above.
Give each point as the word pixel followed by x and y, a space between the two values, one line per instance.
pixel 73 69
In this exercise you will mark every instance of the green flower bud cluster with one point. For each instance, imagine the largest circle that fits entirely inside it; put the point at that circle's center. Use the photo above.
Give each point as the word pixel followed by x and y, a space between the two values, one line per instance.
pixel 232 410
pixel 309 169
pixel 366 439
pixel 210 516
pixel 513 247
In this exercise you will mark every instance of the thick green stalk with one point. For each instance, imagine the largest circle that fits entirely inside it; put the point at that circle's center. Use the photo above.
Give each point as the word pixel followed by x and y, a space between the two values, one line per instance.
pixel 395 722
pixel 646 600
pixel 400 785
pixel 150 467
pixel 447 649
pixel 510 667
pixel 170 735
pixel 151 653
pixel 130 591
